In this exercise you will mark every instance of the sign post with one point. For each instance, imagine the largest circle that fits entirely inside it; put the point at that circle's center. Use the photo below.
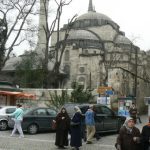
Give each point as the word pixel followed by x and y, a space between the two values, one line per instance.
pixel 147 102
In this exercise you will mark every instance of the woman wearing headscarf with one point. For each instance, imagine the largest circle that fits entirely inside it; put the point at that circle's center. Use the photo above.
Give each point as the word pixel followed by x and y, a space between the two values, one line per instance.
pixel 129 136
pixel 76 134
pixel 145 136
pixel 62 128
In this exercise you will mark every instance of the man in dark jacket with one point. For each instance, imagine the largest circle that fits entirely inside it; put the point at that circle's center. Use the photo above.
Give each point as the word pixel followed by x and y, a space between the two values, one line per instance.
pixel 133 112
pixel 129 136
pixel 145 136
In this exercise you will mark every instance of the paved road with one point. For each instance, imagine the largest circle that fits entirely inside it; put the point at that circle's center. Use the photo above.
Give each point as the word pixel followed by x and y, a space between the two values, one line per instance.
pixel 45 141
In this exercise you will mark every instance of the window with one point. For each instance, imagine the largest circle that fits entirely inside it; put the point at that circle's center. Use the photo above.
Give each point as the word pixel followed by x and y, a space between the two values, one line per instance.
pixel 98 109
pixel 81 69
pixel 106 110
pixel 40 112
pixel 10 110
pixel 51 112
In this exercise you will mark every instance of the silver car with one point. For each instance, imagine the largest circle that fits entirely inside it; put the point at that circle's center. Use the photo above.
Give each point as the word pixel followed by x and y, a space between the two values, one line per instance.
pixel 4 113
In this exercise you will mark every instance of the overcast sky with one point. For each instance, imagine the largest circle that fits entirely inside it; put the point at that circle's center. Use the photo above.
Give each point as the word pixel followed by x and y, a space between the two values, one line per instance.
pixel 131 15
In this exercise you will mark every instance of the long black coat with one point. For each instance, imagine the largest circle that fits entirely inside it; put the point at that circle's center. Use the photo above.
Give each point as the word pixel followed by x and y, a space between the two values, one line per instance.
pixel 76 135
pixel 145 137
pixel 125 139
pixel 62 129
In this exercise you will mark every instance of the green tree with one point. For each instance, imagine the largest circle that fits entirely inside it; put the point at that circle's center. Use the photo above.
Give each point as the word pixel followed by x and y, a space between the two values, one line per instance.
pixel 79 94
pixel 57 100
pixel 28 71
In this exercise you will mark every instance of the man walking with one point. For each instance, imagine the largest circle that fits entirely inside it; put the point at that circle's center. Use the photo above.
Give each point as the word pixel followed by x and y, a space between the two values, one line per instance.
pixel 18 117
pixel 90 124
pixel 133 112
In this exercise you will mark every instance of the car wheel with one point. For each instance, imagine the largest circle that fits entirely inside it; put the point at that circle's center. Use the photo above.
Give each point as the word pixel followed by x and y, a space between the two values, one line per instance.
pixel 3 125
pixel 33 129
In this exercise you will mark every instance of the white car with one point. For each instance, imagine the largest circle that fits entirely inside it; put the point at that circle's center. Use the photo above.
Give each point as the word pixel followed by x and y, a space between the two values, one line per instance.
pixel 4 113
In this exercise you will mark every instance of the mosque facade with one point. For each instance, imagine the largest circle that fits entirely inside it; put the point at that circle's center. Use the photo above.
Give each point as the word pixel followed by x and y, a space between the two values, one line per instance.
pixel 99 54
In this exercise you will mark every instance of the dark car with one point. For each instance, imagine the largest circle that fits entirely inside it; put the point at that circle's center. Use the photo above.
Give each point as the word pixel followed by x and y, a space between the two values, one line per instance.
pixel 106 120
pixel 36 119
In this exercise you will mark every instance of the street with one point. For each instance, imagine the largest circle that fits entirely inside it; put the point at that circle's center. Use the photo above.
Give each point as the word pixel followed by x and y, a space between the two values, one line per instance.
pixel 45 141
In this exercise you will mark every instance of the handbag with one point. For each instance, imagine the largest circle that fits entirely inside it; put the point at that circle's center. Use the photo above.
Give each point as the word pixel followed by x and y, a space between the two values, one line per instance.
pixel 53 125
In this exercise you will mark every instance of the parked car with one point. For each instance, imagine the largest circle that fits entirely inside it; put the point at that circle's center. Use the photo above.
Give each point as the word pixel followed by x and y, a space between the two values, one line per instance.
pixel 4 112
pixel 36 119
pixel 105 120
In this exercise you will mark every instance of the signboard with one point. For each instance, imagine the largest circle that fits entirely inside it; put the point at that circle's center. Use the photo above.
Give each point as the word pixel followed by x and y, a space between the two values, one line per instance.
pixel 147 100
pixel 103 89
pixel 103 100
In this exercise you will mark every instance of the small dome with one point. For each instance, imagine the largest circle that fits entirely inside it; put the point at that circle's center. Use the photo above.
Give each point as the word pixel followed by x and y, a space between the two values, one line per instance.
pixel 93 15
pixel 122 40
pixel 11 63
pixel 82 34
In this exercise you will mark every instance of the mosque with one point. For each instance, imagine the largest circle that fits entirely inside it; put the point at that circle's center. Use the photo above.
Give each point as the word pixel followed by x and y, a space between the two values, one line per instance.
pixel 97 54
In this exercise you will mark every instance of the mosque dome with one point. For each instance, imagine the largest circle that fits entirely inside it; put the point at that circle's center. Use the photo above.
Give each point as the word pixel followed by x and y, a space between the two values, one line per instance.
pixel 92 15
pixel 92 18
pixel 82 34
pixel 11 63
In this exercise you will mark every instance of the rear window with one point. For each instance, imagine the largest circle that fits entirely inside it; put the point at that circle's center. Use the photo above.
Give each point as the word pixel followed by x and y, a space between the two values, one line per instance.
pixel 52 112
pixel 106 110
pixel 70 110
pixel 10 110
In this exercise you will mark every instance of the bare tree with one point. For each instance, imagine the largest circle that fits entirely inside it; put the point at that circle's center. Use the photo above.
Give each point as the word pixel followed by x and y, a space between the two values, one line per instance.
pixel 14 18
pixel 111 62
pixel 49 29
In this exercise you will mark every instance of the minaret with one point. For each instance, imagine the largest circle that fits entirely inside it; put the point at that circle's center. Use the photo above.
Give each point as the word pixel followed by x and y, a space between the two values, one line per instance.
pixel 41 42
pixel 91 6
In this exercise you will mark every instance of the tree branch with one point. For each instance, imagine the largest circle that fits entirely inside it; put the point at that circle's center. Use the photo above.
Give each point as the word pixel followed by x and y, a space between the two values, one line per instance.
pixel 15 39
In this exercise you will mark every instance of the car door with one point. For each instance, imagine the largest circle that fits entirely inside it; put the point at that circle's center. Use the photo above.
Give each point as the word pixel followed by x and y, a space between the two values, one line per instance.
pixel 42 118
pixel 52 115
pixel 110 120
pixel 99 119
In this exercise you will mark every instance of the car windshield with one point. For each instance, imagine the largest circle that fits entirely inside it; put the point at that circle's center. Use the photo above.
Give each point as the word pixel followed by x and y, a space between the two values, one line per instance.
pixel 26 110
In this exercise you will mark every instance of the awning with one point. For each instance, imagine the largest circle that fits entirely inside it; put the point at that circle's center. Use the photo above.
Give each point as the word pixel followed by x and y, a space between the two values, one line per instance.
pixel 19 94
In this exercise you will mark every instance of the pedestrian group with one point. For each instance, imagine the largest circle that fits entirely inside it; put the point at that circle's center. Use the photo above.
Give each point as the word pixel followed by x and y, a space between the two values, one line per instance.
pixel 129 137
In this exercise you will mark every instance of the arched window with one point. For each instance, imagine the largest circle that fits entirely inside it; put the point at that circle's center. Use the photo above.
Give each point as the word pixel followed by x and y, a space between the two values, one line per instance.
pixel 82 69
